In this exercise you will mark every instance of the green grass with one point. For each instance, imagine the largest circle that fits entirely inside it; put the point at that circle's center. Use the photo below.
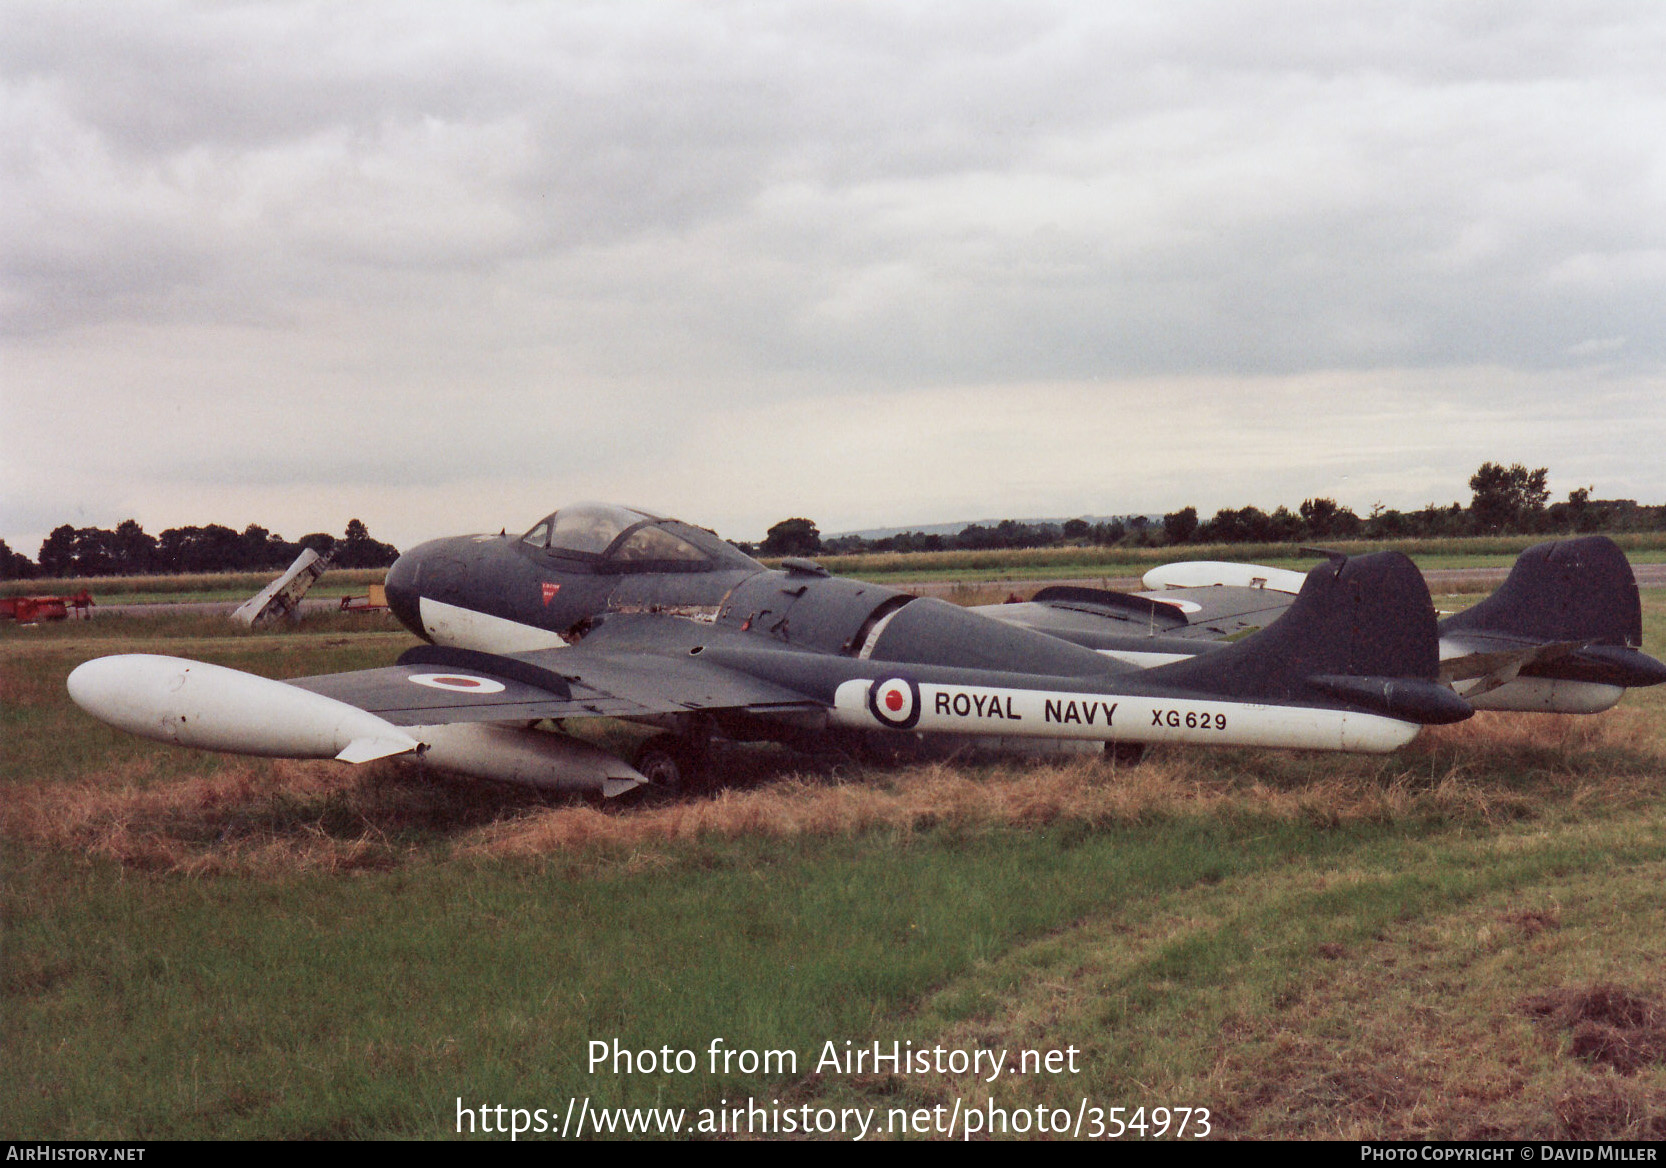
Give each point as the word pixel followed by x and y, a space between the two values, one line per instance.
pixel 304 1010
pixel 1371 988
pixel 1022 564
pixel 189 586
pixel 330 1007
pixel 46 736
pixel 1468 552
pixel 1308 945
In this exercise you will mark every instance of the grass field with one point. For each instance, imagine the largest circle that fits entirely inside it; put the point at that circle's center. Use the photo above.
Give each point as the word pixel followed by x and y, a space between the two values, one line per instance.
pixel 203 586
pixel 1037 563
pixel 921 567
pixel 1464 939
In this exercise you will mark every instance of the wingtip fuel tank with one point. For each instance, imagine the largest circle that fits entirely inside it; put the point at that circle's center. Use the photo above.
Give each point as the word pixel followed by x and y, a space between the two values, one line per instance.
pixel 211 707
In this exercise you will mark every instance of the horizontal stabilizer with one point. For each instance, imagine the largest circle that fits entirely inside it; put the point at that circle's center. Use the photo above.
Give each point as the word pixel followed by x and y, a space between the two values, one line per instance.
pixel 1495 668
pixel 1427 703
pixel 1495 672
pixel 1610 665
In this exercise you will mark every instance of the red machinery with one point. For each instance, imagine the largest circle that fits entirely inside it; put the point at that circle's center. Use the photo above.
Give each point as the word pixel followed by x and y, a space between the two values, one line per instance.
pixel 26 610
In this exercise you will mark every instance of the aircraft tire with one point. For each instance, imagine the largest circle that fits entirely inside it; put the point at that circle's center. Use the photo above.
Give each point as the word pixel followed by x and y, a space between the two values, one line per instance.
pixel 670 763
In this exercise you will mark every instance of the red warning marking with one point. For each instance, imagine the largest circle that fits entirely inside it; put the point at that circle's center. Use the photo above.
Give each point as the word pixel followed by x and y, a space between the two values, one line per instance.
pixel 549 591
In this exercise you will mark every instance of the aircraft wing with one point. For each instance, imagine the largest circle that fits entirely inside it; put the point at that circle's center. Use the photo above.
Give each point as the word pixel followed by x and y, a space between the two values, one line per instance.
pixel 449 708
pixel 434 685
pixel 1097 619
pixel 1218 611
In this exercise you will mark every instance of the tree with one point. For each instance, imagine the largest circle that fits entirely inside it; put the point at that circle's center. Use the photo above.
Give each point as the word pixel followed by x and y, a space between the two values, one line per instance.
pixel 1324 519
pixel 1230 525
pixel 1250 525
pixel 358 550
pixel 1581 516
pixel 1105 534
pixel 254 547
pixel 213 548
pixel 1386 523
pixel 791 537
pixel 57 552
pixel 1179 526
pixel 135 552
pixel 1507 499
pixel 15 565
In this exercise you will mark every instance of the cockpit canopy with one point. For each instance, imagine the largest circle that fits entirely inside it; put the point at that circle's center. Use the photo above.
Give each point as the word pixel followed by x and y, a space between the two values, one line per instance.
pixel 622 539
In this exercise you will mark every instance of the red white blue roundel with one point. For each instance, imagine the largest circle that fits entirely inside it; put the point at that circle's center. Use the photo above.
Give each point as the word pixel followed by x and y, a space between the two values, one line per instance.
pixel 895 701
pixel 458 683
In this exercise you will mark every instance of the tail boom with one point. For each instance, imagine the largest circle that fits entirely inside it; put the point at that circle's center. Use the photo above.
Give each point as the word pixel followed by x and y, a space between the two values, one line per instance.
pixel 1125 717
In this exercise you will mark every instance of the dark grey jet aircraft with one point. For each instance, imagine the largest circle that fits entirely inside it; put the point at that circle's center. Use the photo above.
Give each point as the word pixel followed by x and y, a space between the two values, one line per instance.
pixel 605 611
pixel 1559 636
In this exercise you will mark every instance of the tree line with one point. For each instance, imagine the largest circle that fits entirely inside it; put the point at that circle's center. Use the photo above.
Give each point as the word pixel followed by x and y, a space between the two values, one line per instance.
pixel 1505 500
pixel 129 550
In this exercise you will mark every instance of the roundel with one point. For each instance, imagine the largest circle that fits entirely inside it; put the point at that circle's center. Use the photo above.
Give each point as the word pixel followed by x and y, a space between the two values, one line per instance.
pixel 895 701
pixel 458 683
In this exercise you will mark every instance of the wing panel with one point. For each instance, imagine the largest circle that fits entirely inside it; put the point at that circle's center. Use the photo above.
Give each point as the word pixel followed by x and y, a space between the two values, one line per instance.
pixel 1221 610
pixel 1190 614
pixel 596 685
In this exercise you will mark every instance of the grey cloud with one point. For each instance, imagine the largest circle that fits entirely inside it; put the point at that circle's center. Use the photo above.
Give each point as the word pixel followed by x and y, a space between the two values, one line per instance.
pixel 1281 187
pixel 526 219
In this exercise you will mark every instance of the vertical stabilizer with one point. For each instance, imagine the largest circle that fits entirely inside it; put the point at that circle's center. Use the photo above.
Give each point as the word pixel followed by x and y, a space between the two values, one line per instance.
pixel 1362 632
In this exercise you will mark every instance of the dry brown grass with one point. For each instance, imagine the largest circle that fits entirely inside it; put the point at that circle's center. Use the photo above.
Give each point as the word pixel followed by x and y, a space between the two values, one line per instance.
pixel 30 688
pixel 1611 1109
pixel 267 818
pixel 908 799
pixel 278 817
pixel 1611 1026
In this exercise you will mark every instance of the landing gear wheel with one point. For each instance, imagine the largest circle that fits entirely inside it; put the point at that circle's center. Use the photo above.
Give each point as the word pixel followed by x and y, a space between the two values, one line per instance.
pixel 670 763
pixel 1125 753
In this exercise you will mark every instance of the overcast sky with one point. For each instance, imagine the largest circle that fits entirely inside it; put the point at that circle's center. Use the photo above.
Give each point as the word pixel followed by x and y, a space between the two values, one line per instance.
pixel 444 267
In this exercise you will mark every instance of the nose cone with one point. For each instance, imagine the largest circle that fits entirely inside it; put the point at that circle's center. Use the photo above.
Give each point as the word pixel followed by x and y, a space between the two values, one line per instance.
pixel 403 584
